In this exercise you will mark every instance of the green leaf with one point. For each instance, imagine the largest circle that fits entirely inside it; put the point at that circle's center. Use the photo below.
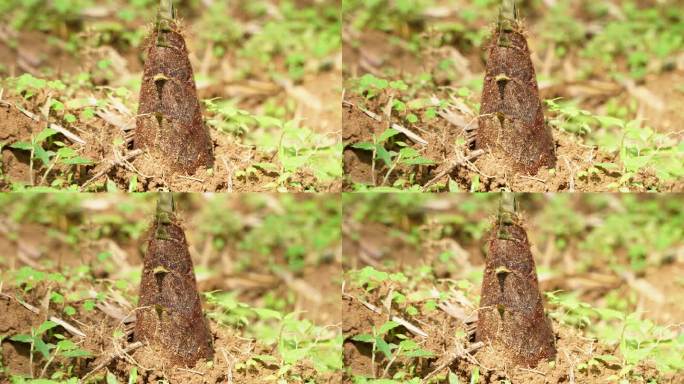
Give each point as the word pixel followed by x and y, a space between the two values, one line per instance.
pixel 475 184
pixel 364 338
pixel 382 154
pixel 76 353
pixel 88 305
pixel 42 155
pixel 418 353
pixel 388 326
pixel 133 376
pixel 78 160
pixel 607 166
pixel 265 313
pixel 57 105
pixel 111 379
pixel 22 338
pixel 42 347
pixel 24 146
pixel 453 186
pixel 398 105
pixel 46 326
pixel 265 358
pixel 398 85
pixel 269 167
pixel 453 379
pixel 365 145
pixel 389 132
pixel 475 377
pixel 383 347
pixel 55 297
pixel 44 134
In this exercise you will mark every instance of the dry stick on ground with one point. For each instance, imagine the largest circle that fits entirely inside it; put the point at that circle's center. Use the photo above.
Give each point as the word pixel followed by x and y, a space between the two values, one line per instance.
pixel 411 135
pixel 463 352
pixel 68 327
pixel 463 160
pixel 69 135
pixel 405 323
pixel 130 348
pixel 113 163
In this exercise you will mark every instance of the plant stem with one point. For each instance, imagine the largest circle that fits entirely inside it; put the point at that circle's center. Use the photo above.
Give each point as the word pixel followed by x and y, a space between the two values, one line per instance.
pixel 31 353
pixel 166 10
pixel 42 372
pixel 387 368
pixel 31 163
pixel 507 203
pixel 375 151
pixel 506 215
pixel 394 165
pixel 165 203
pixel 508 9
pixel 47 172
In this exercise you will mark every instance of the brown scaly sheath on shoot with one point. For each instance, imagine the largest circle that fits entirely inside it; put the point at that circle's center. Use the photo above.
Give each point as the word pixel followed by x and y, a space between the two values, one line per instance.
pixel 169 317
pixel 169 123
pixel 511 316
pixel 511 123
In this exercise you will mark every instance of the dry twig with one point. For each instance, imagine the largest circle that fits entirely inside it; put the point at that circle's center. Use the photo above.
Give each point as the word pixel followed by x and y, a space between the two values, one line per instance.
pixel 462 352
pixel 463 160
pixel 405 323
pixel 130 348
pixel 129 156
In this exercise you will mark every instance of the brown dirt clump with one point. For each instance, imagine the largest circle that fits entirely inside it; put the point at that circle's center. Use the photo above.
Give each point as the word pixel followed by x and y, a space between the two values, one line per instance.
pixel 169 122
pixel 511 123
pixel 511 316
pixel 170 316
pixel 15 126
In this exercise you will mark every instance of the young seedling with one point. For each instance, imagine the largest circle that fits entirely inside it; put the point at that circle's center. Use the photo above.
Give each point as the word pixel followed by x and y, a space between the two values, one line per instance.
pixel 511 315
pixel 169 123
pixel 511 123
pixel 170 317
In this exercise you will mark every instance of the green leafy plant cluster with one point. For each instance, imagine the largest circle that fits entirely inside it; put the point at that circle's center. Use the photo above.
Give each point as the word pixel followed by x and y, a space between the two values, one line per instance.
pixel 637 146
pixel 636 337
pixel 296 147
pixel 295 340
pixel 383 14
pixel 645 38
